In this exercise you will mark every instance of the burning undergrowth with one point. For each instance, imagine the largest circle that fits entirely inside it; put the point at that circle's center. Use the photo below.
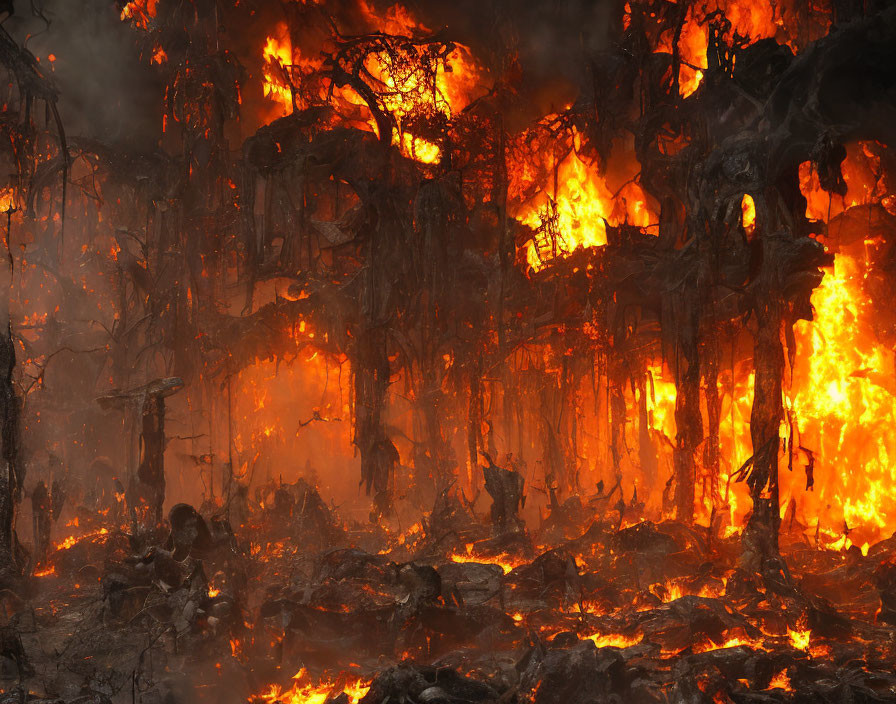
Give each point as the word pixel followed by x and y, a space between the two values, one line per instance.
pixel 289 608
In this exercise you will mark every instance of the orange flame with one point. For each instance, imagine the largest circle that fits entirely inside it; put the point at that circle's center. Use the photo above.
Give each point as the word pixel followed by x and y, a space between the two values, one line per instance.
pixel 139 12
pixel 403 89
pixel 73 540
pixel 575 212
pixel 304 691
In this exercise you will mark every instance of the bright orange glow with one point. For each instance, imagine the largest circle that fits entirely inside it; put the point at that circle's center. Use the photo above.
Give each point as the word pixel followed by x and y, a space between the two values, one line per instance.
pixel 293 412
pixel 614 640
pixel 281 62
pixel 748 18
pixel 74 539
pixel 304 691
pixel 7 200
pixel 403 88
pixel 504 561
pixel 574 210
pixel 844 401
pixel 780 681
pixel 860 170
pixel 732 642
pixel 139 12
pixel 748 214
pixel 661 401
pixel 799 639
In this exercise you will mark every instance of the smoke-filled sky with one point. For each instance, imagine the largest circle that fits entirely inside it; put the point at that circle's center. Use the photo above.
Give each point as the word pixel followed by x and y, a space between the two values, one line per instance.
pixel 111 93
pixel 107 92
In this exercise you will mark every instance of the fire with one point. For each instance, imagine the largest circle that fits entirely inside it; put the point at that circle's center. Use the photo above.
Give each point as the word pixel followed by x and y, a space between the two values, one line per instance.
pixel 732 642
pixel 661 401
pixel 780 681
pixel 139 12
pixel 748 214
pixel 861 173
pixel 673 592
pixel 304 691
pixel 7 200
pixel 749 19
pixel 574 212
pixel 692 47
pixel 72 540
pixel 614 640
pixel 281 62
pixel 842 396
pixel 403 88
pixel 799 639
pixel 411 534
pixel 844 405
pixel 506 562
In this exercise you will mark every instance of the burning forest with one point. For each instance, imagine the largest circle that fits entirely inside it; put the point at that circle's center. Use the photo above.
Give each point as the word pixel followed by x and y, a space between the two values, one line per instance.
pixel 440 352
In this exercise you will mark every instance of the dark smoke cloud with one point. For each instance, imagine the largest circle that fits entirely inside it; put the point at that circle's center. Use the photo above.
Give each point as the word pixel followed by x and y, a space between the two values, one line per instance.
pixel 550 37
pixel 106 91
pixel 549 42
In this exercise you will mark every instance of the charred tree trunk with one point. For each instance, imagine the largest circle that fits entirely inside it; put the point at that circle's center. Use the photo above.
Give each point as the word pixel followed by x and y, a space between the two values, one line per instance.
pixel 430 404
pixel 761 533
pixel 568 424
pixel 617 421
pixel 42 522
pixel 711 457
pixel 506 487
pixel 474 421
pixel 371 379
pixel 10 472
pixel 151 472
pixel 553 446
pixel 646 449
pixel 148 486
pixel 688 420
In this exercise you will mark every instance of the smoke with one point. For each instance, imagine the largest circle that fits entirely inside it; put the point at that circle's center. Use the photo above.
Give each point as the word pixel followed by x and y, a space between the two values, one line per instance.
pixel 106 91
pixel 550 38
pixel 541 48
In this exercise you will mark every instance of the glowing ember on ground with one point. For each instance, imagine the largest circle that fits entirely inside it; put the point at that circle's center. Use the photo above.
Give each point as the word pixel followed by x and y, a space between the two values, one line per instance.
pixel 613 640
pixel 304 691
pixel 506 562
pixel 780 681
pixel 72 540
pixel 731 642
pixel 799 639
